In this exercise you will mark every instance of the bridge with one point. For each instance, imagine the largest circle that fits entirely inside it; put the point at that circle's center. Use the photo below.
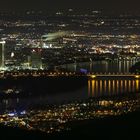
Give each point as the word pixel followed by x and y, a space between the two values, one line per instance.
pixel 44 73
pixel 59 74
pixel 98 83
pixel 114 75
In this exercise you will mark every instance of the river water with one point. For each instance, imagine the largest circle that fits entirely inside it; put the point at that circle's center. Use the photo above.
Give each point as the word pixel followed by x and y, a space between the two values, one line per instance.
pixel 94 88
pixel 121 66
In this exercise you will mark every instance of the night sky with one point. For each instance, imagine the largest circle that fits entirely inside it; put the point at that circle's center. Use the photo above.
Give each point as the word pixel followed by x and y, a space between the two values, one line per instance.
pixel 107 5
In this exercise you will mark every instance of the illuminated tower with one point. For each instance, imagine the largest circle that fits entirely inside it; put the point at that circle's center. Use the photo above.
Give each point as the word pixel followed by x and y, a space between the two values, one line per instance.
pixel 2 58
pixel 36 58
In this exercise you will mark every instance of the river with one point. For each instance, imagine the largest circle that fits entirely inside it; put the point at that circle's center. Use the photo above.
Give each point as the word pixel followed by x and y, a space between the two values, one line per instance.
pixel 102 66
pixel 93 88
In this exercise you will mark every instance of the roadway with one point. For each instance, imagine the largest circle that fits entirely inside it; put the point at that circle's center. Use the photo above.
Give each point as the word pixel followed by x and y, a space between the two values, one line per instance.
pixel 59 74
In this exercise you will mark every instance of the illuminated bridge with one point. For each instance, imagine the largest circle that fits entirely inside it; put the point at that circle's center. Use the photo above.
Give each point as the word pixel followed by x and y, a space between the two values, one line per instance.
pixel 99 84
pixel 113 75
pixel 59 74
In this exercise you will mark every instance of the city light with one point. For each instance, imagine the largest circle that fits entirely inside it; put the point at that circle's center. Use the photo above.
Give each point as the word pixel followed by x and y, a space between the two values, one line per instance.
pixel 137 76
pixel 65 71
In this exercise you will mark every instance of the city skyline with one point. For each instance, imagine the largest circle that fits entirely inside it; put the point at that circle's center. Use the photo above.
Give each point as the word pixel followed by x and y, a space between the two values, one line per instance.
pixel 69 68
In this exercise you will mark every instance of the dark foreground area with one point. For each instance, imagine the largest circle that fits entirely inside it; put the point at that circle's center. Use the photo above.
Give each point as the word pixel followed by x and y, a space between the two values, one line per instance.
pixel 120 127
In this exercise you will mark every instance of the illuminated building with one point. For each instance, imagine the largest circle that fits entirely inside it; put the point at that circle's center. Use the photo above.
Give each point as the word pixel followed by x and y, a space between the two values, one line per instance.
pixel 2 61
pixel 36 61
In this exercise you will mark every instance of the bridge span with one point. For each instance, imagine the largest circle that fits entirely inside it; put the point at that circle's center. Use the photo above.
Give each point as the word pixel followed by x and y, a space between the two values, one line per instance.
pixel 59 74
pixel 114 75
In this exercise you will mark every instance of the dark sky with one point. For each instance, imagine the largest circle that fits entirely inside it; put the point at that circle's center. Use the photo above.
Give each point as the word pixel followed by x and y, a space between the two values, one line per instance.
pixel 108 5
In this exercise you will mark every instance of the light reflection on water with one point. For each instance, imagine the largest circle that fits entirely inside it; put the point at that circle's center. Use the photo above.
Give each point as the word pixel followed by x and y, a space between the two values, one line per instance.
pixel 98 87
pixel 121 66
pixel 94 88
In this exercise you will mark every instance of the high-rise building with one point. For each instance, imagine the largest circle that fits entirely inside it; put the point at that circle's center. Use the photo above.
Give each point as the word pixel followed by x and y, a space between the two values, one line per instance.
pixel 36 58
pixel 2 52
